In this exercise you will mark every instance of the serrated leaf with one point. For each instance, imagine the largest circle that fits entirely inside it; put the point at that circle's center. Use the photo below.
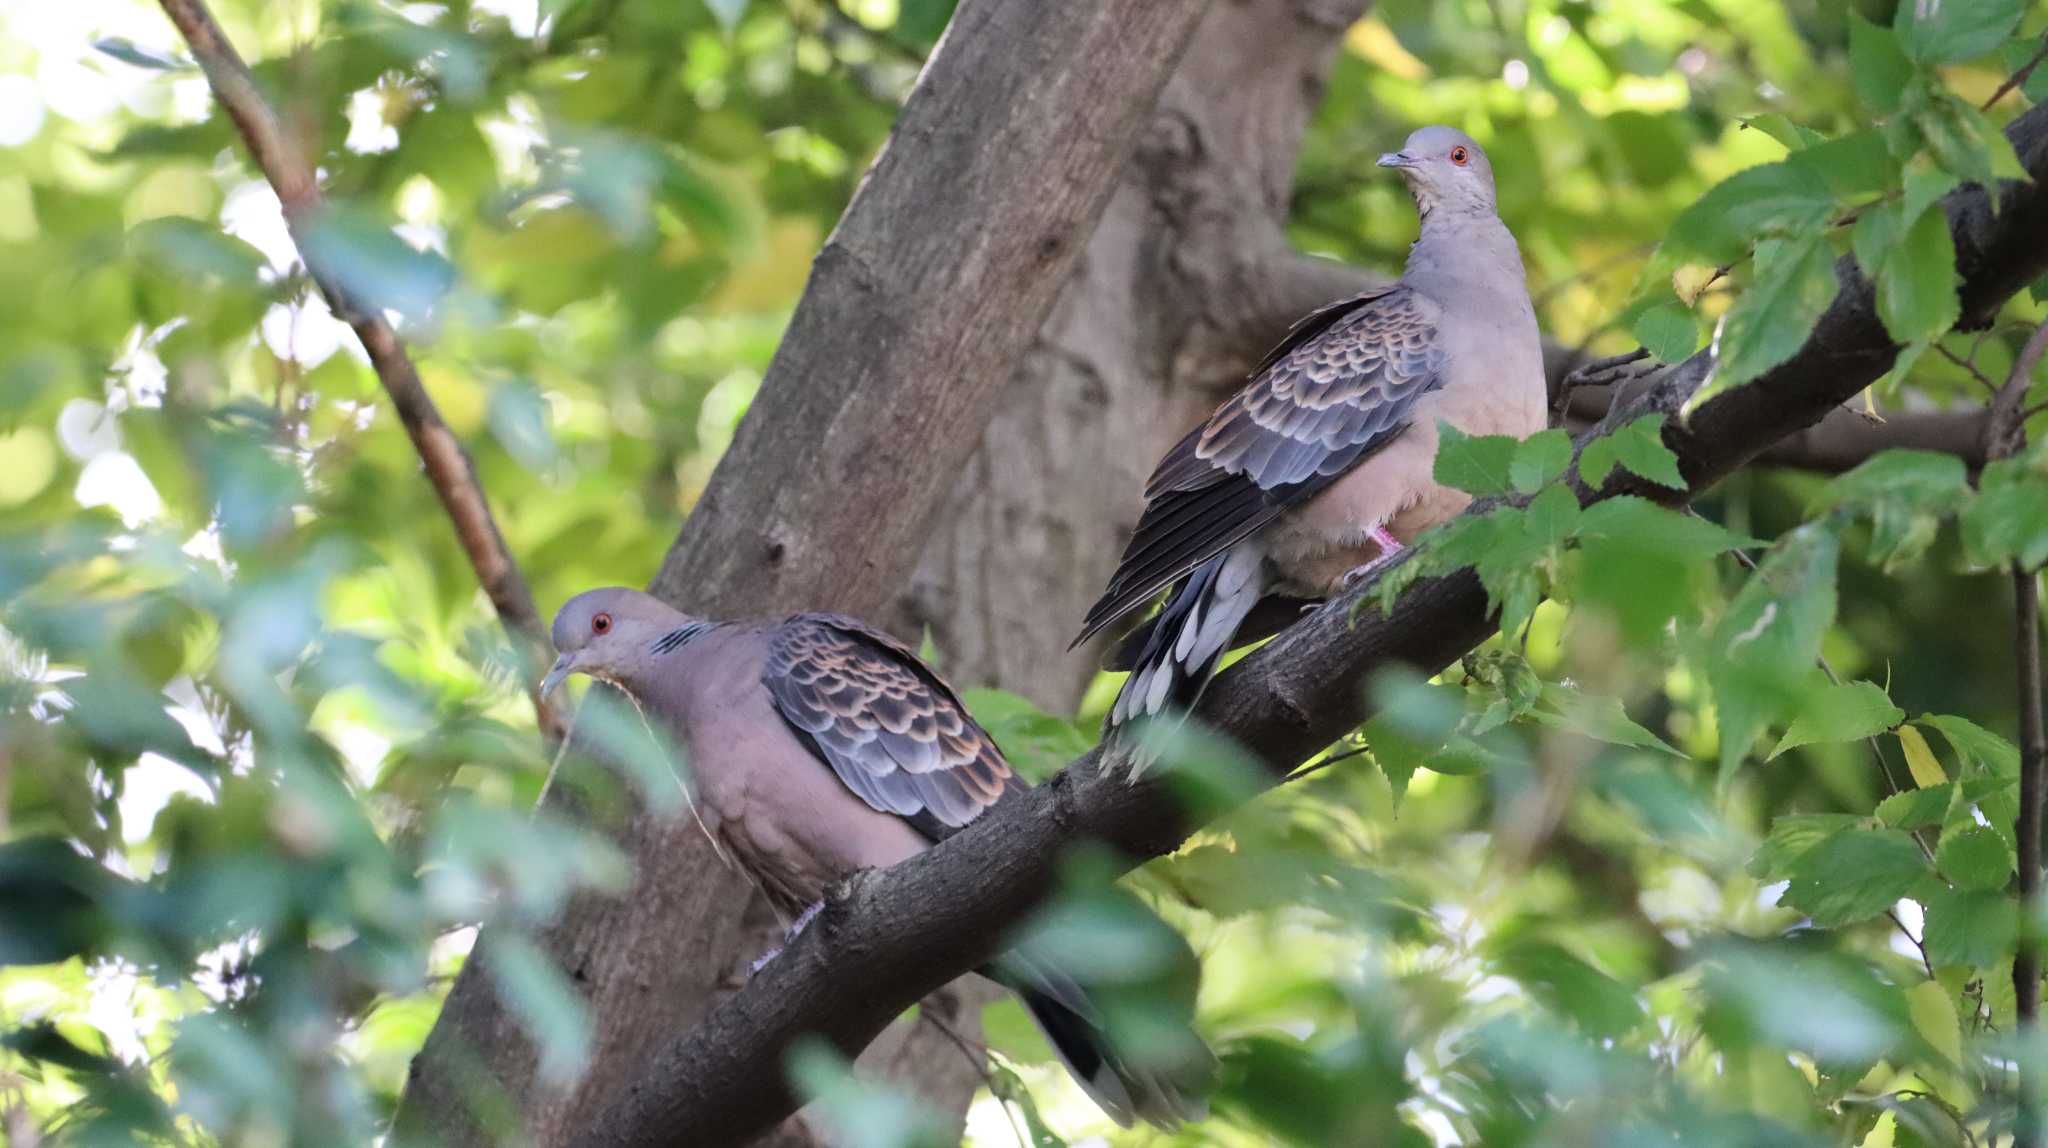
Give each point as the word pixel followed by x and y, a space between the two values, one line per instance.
pixel 1971 927
pixel 1668 330
pixel 1640 522
pixel 1794 283
pixel 1597 716
pixel 1920 759
pixel 1792 837
pixel 1854 875
pixel 1951 31
pixel 1846 712
pixel 2008 520
pixel 1906 494
pixel 1916 808
pixel 1881 67
pixel 1479 465
pixel 1854 165
pixel 1916 294
pixel 1770 635
pixel 1639 448
pixel 1974 857
pixel 1538 459
pixel 1772 197
pixel 1781 128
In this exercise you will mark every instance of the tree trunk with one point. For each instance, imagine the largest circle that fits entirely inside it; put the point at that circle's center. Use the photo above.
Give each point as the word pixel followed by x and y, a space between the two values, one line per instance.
pixel 1184 285
pixel 923 300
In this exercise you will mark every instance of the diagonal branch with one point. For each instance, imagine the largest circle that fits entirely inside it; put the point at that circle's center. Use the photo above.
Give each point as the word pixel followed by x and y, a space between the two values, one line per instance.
pixel 448 467
pixel 895 935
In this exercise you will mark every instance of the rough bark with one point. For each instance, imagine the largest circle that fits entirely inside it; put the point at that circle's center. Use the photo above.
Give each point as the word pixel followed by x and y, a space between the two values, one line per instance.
pixel 925 296
pixel 1184 284
pixel 901 933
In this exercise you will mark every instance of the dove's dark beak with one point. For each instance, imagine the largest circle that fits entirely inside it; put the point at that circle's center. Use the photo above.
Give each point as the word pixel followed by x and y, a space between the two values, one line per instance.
pixel 1396 159
pixel 563 667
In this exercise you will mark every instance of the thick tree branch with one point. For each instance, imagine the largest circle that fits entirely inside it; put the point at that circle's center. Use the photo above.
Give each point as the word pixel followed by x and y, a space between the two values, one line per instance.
pixel 893 936
pixel 448 467
pixel 1840 441
pixel 937 277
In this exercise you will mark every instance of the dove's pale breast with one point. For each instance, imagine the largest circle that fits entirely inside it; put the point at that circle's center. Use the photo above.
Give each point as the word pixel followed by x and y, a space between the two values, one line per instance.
pixel 772 806
pixel 1493 385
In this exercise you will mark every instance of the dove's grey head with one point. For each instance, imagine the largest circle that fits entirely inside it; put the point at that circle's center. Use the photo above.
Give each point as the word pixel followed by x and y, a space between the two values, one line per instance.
pixel 608 633
pixel 1444 169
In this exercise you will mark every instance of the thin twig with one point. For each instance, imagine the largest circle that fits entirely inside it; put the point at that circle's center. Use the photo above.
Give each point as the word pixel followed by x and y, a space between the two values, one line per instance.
pixel 1969 365
pixel 1323 763
pixel 2019 77
pixel 1917 943
pixel 2026 962
pixel 2005 435
pixel 977 1055
pixel 276 153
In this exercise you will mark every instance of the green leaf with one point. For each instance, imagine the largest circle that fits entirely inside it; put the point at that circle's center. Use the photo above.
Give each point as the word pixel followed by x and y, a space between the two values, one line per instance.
pixel 1974 857
pixel 1846 712
pixel 373 266
pixel 1669 330
pixel 1772 197
pixel 1964 142
pixel 1916 294
pixel 1854 875
pixel 1794 283
pixel 1971 927
pixel 1916 808
pixel 544 1002
pixel 1981 747
pixel 1766 642
pixel 1639 448
pixel 1881 67
pixel 1854 165
pixel 1597 716
pixel 2008 520
pixel 1538 459
pixel 1779 127
pixel 1906 494
pixel 1479 465
pixel 1600 1005
pixel 1792 837
pixel 858 1112
pixel 1951 31
pixel 1640 522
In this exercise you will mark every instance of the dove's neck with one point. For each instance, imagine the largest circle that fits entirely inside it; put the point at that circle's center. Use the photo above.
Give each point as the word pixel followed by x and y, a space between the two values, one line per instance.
pixel 1466 255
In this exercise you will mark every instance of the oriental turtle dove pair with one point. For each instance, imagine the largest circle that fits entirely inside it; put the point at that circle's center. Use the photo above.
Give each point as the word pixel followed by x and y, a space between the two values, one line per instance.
pixel 818 746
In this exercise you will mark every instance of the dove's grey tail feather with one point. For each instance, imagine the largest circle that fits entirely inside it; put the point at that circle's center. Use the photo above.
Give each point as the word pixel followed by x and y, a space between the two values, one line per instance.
pixel 1124 1090
pixel 1272 614
pixel 1189 638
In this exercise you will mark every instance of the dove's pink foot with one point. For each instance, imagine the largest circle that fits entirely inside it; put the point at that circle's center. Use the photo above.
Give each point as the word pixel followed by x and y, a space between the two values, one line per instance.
pixel 1389 547
pixel 795 927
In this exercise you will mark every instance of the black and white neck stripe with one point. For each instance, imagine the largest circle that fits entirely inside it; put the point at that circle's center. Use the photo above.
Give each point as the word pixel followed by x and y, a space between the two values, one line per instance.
pixel 677 638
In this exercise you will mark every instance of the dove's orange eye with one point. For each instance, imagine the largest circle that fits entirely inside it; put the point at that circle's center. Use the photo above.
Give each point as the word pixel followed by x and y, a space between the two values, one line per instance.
pixel 600 623
pixel 1460 156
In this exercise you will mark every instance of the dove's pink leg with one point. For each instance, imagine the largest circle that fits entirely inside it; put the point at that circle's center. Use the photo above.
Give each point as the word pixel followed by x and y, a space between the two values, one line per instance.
pixel 795 927
pixel 1389 547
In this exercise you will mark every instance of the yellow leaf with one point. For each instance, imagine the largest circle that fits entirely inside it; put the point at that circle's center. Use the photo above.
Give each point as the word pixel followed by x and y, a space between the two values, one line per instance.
pixel 1920 759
